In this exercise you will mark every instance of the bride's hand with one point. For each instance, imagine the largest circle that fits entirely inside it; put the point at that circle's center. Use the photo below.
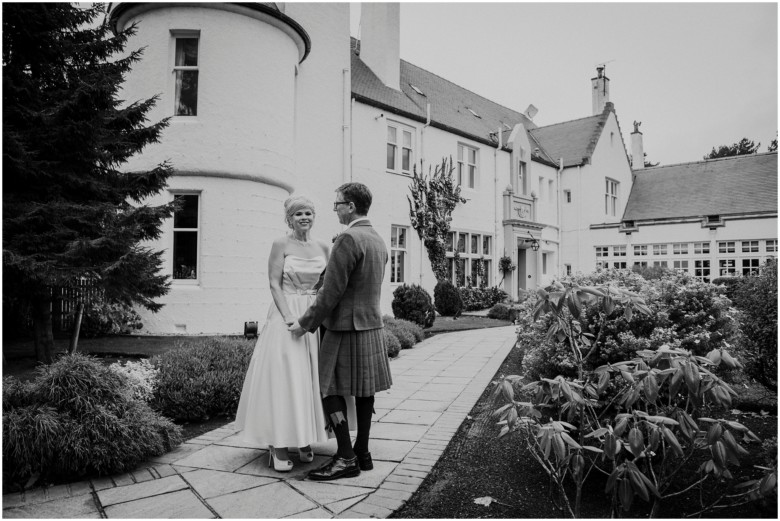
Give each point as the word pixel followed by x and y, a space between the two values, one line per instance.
pixel 289 321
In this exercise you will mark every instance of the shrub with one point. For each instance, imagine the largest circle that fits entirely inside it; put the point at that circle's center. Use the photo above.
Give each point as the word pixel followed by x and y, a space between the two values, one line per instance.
pixel 481 298
pixel 404 337
pixel 141 376
pixel 391 343
pixel 201 379
pixel 731 284
pixel 756 297
pixel 414 329
pixel 102 318
pixel 447 299
pixel 413 303
pixel 78 418
pixel 499 311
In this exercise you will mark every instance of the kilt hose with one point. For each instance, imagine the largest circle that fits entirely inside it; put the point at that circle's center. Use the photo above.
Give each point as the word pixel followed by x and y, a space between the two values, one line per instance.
pixel 354 363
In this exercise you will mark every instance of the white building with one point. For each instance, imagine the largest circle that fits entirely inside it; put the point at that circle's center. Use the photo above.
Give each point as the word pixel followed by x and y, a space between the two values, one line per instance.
pixel 270 99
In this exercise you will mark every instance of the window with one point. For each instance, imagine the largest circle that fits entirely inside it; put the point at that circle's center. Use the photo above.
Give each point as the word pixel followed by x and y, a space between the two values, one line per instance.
pixel 611 198
pixel 568 269
pixel 550 191
pixel 541 188
pixel 185 67
pixel 660 264
pixel 544 264
pixel 398 254
pixel 474 265
pixel 750 266
pixel 680 248
pixel 700 248
pixel 659 249
pixel 640 249
pixel 641 264
pixel 602 251
pixel 771 246
pixel 522 178
pixel 749 246
pixel 185 237
pixel 402 164
pixel 680 266
pixel 467 166
pixel 567 196
pixel 702 270
pixel 727 267
pixel 726 247
pixel 619 251
pixel 619 265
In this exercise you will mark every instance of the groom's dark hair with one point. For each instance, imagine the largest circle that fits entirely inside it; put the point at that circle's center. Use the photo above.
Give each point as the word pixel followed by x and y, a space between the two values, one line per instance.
pixel 357 193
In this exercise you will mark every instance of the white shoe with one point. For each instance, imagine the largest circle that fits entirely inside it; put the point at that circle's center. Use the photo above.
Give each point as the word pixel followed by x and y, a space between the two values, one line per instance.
pixel 279 465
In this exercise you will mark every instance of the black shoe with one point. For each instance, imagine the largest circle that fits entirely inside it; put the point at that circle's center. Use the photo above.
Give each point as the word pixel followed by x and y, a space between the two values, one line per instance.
pixel 364 461
pixel 336 468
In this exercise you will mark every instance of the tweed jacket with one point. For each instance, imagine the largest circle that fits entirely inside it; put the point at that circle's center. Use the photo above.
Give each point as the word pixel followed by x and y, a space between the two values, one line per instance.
pixel 349 297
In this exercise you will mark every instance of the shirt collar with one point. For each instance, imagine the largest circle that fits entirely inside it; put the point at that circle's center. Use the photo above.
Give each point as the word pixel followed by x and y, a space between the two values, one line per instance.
pixel 350 225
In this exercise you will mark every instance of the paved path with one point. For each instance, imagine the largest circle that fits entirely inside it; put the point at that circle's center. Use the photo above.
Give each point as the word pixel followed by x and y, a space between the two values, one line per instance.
pixel 435 385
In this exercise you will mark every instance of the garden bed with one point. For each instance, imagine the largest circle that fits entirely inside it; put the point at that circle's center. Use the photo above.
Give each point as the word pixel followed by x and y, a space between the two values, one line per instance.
pixel 477 464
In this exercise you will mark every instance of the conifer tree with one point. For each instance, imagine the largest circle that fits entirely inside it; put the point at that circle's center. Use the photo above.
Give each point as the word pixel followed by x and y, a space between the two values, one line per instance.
pixel 68 210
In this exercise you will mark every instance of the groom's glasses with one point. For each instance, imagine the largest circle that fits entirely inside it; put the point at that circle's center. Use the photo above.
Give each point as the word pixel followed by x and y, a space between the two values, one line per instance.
pixel 337 203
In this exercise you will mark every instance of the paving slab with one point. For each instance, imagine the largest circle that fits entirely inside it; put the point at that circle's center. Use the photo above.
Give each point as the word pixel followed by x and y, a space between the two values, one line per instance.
pixel 340 506
pixel 182 504
pixel 411 417
pixel 72 507
pixel 423 405
pixel 370 478
pixel 317 513
pixel 269 501
pixel 219 457
pixel 397 431
pixel 259 467
pixel 390 450
pixel 327 493
pixel 122 494
pixel 180 452
pixel 212 483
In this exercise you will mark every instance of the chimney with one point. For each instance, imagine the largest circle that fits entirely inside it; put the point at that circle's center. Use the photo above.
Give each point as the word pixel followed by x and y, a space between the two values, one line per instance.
pixel 380 47
pixel 600 90
pixel 637 148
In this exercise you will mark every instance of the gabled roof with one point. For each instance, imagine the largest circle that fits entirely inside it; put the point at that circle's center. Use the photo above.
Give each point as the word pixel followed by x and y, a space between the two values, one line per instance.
pixel 574 141
pixel 726 186
pixel 451 105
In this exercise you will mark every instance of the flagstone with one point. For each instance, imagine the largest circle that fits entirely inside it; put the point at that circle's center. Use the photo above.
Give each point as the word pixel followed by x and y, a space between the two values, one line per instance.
pixel 340 506
pixel 122 494
pixel 218 457
pixel 317 513
pixel 397 431
pixel 259 467
pixel 212 483
pixel 422 405
pixel 327 493
pixel 182 504
pixel 390 450
pixel 269 501
pixel 72 507
pixel 412 417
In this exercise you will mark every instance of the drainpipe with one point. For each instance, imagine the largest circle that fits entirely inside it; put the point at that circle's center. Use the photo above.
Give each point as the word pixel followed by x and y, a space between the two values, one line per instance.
pixel 422 160
pixel 346 128
pixel 495 200
pixel 558 212
pixel 579 212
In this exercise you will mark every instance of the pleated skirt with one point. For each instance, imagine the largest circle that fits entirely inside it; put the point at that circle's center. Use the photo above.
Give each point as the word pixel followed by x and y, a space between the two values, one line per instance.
pixel 354 363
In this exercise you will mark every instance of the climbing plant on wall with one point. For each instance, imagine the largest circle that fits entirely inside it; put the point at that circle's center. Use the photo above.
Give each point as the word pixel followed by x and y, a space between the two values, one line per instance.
pixel 433 199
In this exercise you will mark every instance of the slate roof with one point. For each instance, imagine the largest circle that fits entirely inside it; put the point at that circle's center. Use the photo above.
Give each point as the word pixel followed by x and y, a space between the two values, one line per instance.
pixel 574 141
pixel 450 103
pixel 727 186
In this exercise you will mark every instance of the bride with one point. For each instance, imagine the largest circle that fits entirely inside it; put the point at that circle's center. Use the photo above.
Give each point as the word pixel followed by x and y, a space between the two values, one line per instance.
pixel 280 403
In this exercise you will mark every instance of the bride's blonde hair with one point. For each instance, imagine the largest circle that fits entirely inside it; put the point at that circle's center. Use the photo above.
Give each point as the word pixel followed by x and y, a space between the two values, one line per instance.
pixel 295 203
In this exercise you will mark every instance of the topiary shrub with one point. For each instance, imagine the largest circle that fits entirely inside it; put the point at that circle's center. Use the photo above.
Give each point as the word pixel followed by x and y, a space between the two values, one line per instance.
pixel 447 299
pixel 405 338
pixel 201 379
pixel 414 329
pixel 391 343
pixel 756 298
pixel 413 303
pixel 78 418
pixel 499 311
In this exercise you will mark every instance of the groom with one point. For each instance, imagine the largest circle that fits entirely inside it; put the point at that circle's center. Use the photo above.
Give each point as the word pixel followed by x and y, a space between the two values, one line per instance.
pixel 353 359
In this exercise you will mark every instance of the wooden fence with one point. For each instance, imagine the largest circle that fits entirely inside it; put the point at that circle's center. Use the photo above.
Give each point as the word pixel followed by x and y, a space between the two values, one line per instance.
pixel 65 301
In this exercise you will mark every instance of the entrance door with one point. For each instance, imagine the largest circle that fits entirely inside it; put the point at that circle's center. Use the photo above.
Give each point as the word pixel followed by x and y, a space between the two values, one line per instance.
pixel 522 276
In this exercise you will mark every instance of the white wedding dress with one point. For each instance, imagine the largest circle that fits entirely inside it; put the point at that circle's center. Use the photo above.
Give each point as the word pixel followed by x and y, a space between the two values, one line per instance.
pixel 280 402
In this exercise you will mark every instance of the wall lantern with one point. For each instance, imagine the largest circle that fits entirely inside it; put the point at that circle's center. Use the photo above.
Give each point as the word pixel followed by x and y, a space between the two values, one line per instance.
pixel 250 330
pixel 534 242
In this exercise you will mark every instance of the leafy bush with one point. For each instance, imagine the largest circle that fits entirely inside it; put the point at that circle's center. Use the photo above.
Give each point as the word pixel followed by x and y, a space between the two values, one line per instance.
pixel 102 318
pixel 499 311
pixel 201 379
pixel 391 343
pixel 731 284
pixel 685 313
pixel 78 418
pixel 481 298
pixel 633 420
pixel 408 333
pixel 141 376
pixel 413 303
pixel 756 297
pixel 447 300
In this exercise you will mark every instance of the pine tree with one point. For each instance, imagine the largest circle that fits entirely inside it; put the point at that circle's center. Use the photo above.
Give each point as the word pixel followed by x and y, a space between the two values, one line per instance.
pixel 68 211
pixel 744 147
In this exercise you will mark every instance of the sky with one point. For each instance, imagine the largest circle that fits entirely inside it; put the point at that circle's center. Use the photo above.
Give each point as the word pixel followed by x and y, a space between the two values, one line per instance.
pixel 696 75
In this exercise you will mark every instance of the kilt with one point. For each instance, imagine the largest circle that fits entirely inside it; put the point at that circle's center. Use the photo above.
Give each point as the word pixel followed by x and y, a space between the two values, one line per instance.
pixel 354 363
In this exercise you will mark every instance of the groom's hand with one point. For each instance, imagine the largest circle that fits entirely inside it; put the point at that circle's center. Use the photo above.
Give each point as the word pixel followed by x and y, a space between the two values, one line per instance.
pixel 296 329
